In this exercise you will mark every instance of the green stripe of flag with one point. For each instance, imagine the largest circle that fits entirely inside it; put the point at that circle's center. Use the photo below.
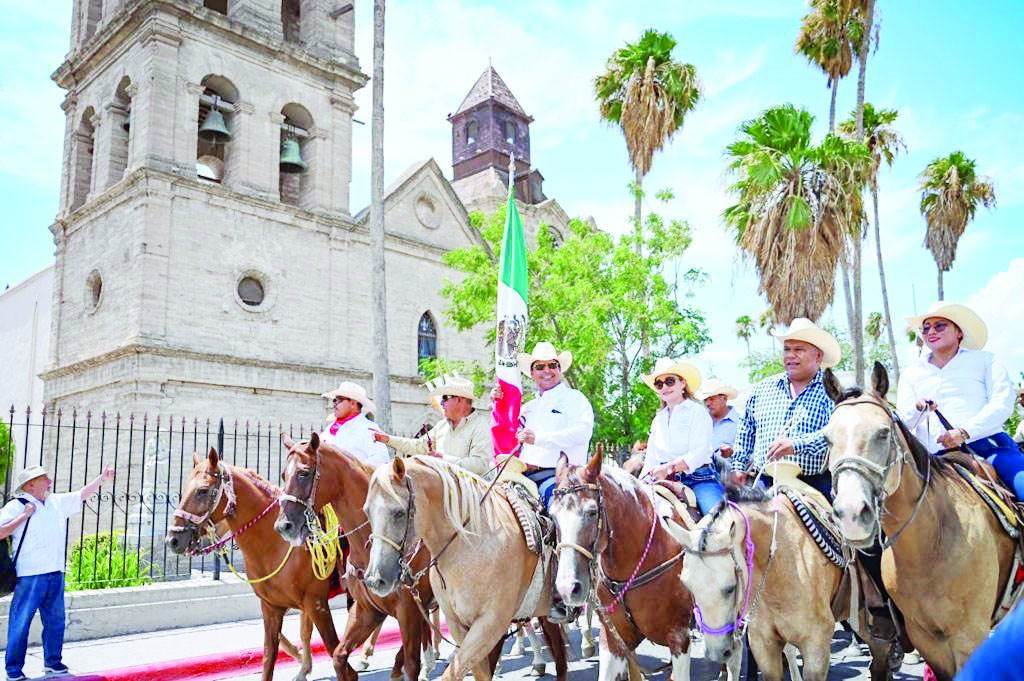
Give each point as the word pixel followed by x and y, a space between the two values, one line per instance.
pixel 513 250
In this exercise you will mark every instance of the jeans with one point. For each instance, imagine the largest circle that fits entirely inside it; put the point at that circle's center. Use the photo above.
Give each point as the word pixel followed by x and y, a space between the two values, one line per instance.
pixel 44 593
pixel 544 478
pixel 1002 452
pixel 705 485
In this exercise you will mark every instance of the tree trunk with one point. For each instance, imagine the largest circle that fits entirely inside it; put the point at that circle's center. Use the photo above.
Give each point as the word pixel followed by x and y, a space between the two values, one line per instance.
pixel 638 209
pixel 885 291
pixel 834 86
pixel 844 273
pixel 858 312
pixel 381 371
pixel 942 296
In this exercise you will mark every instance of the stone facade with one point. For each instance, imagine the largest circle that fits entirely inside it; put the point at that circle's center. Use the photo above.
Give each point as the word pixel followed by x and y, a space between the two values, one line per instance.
pixel 148 313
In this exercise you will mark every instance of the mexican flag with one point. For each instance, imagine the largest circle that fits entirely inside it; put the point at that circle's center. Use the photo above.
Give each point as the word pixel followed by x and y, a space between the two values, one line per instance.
pixel 511 328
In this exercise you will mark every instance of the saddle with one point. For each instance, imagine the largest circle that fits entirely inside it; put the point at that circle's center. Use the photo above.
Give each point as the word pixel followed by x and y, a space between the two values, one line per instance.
pixel 537 527
pixel 680 503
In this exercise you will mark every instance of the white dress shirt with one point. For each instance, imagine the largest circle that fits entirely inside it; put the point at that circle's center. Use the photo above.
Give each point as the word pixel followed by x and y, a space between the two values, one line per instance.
pixel 680 431
pixel 355 437
pixel 973 391
pixel 562 420
pixel 43 550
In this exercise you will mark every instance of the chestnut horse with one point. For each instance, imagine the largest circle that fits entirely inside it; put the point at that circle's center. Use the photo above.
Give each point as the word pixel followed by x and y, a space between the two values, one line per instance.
pixel 218 492
pixel 946 561
pixel 317 474
pixel 634 580
pixel 483 573
pixel 752 560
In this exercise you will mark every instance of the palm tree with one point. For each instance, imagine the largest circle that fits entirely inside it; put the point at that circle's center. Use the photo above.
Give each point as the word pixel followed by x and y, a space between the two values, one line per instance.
pixel 744 330
pixel 647 93
pixel 381 371
pixel 873 327
pixel 883 143
pixel 796 202
pixel 950 193
pixel 829 34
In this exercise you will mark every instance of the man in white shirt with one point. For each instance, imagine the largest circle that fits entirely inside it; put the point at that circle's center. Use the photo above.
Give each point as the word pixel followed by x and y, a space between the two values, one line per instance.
pixel 40 549
pixel 560 419
pixel 350 430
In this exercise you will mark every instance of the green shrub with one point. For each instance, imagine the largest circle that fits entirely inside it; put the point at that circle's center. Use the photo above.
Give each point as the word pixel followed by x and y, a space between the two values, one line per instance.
pixel 6 451
pixel 100 561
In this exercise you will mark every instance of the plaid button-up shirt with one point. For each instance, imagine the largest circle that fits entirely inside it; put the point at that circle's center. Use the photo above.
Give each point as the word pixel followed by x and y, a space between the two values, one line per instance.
pixel 772 413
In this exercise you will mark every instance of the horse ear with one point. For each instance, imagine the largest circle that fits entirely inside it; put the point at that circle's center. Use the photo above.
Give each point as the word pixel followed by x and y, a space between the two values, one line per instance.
pixel 880 380
pixel 832 387
pixel 195 459
pixel 314 441
pixel 212 457
pixel 287 441
pixel 593 469
pixel 398 467
pixel 562 469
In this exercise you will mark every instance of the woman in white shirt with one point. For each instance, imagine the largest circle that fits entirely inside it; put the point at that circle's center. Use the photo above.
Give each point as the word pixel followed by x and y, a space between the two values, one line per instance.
pixel 679 444
pixel 969 387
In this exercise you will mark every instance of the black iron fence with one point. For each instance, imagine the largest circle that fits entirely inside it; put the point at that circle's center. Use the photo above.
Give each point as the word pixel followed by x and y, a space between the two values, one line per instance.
pixel 117 540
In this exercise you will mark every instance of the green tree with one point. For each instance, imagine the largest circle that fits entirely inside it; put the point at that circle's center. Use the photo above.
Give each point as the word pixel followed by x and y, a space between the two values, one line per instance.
pixel 829 35
pixel 796 202
pixel 883 143
pixel 597 296
pixel 646 93
pixel 951 192
pixel 7 451
pixel 745 329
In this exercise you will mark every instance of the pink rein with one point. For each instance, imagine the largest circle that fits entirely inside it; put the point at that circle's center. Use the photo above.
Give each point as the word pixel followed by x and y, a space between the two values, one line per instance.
pixel 610 608
pixel 740 622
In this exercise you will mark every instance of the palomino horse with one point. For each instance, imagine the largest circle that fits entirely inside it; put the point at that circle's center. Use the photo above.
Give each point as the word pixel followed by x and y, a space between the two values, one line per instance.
pixel 752 560
pixel 634 579
pixel 317 474
pixel 484 575
pixel 946 561
pixel 219 492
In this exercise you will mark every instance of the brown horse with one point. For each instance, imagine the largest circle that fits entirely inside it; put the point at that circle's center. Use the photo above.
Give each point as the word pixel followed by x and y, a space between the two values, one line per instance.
pixel 483 573
pixel 317 474
pixel 218 492
pixel 946 561
pixel 634 578
pixel 753 560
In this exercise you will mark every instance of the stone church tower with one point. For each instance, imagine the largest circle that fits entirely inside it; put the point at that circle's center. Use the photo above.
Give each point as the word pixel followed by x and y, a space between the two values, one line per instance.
pixel 196 273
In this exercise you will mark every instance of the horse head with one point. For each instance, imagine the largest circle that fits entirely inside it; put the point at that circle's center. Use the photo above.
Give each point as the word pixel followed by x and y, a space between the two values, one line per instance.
pixel 201 503
pixel 390 507
pixel 300 477
pixel 863 455
pixel 581 523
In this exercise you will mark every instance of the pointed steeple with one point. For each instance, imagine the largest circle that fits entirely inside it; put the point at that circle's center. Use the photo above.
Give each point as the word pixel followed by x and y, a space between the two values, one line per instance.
pixel 490 86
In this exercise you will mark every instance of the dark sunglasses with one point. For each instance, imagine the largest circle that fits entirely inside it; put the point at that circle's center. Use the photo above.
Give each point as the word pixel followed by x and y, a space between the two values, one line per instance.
pixel 541 366
pixel 938 326
pixel 339 400
pixel 445 398
pixel 669 381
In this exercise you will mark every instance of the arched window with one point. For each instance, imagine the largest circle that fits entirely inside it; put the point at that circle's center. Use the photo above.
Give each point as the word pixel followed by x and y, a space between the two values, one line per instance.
pixel 92 18
pixel 510 132
pixel 294 154
pixel 220 6
pixel 215 122
pixel 291 20
pixel 426 341
pixel 471 132
pixel 85 140
pixel 121 119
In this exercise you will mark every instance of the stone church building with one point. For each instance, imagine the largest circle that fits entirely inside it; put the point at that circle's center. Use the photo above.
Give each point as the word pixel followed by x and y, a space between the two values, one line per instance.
pixel 208 259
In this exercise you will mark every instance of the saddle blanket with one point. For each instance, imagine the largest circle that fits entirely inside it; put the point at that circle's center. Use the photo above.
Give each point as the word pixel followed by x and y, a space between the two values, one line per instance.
pixel 526 508
pixel 819 524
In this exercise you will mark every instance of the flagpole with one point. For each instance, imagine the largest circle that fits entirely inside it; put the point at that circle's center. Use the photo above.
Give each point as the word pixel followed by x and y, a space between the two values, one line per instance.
pixel 511 172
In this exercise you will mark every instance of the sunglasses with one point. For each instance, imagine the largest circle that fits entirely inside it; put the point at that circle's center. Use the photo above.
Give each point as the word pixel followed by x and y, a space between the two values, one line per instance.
pixel 939 327
pixel 445 398
pixel 339 400
pixel 541 366
pixel 669 381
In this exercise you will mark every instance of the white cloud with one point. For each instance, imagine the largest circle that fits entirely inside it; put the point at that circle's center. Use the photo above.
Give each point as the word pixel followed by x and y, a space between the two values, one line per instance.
pixel 1000 304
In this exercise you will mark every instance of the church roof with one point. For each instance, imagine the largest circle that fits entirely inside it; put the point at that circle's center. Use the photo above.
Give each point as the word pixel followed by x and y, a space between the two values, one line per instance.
pixel 490 86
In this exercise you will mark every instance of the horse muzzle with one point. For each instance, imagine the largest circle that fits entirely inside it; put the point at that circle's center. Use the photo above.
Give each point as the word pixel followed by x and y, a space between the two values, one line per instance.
pixel 179 541
pixel 720 648
pixel 290 531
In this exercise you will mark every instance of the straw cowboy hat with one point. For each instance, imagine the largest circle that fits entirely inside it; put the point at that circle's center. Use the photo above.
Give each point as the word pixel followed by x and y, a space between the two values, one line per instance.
pixel 667 365
pixel 974 329
pixel 714 386
pixel 543 352
pixel 449 384
pixel 28 475
pixel 352 391
pixel 803 329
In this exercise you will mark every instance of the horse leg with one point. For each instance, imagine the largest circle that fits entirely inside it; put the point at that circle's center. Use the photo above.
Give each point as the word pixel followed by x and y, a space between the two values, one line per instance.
pixel 817 658
pixel 681 663
pixel 272 620
pixel 410 625
pixel 540 660
pixel 427 650
pixel 518 645
pixel 435 635
pixel 789 651
pixel 360 624
pixel 556 643
pixel 475 646
pixel 304 654
pixel 362 661
pixel 570 649
pixel 880 659
pixel 768 654
pixel 495 655
pixel 611 664
pixel 587 644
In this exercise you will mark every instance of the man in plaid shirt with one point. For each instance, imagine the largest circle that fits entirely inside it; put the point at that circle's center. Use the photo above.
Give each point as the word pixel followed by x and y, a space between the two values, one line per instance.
pixel 786 413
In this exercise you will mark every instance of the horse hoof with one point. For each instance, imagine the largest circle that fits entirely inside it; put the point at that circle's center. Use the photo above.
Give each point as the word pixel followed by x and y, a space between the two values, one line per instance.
pixel 299 677
pixel 361 664
pixel 397 677
pixel 517 648
pixel 539 669
pixel 588 650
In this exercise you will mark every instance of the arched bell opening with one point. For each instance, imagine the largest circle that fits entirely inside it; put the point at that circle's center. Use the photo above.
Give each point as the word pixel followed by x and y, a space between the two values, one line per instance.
pixel 215 126
pixel 296 148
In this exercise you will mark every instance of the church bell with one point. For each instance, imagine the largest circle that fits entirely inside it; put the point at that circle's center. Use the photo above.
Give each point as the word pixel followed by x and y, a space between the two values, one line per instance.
pixel 291 156
pixel 214 127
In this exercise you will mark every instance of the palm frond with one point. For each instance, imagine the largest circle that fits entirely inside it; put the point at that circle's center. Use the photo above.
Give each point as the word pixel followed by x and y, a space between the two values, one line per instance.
pixel 951 192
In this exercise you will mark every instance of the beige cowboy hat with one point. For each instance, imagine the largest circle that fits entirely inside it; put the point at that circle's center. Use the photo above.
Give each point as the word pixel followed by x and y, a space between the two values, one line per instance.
pixel 543 352
pixel 28 475
pixel 974 329
pixel 803 329
pixel 352 391
pixel 685 371
pixel 714 386
pixel 449 384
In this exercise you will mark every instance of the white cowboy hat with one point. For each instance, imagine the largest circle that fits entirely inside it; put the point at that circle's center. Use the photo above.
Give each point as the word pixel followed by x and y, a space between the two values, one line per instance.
pixel 352 391
pixel 803 329
pixel 450 384
pixel 974 329
pixel 667 365
pixel 28 475
pixel 542 352
pixel 714 386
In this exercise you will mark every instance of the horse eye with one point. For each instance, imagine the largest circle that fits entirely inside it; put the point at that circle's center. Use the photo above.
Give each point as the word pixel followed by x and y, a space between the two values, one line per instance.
pixel 304 474
pixel 591 512
pixel 398 513
pixel 201 492
pixel 729 590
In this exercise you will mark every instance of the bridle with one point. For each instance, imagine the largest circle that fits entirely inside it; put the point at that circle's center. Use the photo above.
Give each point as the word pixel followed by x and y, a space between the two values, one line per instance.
pixel 593 554
pixel 877 475
pixel 408 577
pixel 225 491
pixel 309 503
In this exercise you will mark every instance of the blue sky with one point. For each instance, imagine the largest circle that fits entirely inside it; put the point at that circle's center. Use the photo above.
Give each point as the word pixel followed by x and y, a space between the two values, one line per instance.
pixel 952 70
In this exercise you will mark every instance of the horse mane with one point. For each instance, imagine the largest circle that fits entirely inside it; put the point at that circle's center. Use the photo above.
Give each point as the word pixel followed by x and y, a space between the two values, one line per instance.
pixel 709 522
pixel 259 482
pixel 354 460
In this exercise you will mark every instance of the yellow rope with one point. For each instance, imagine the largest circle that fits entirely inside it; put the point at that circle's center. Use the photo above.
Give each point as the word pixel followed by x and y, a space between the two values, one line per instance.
pixel 227 559
pixel 324 544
